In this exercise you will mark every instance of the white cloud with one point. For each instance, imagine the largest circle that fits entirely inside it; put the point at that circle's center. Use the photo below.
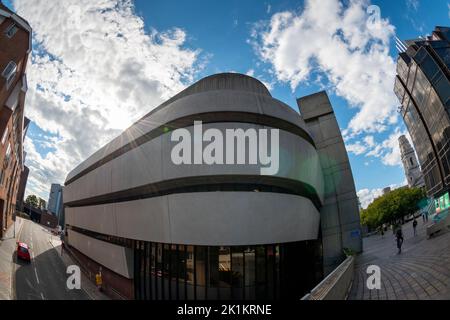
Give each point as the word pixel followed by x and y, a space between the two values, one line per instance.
pixel 356 148
pixel 367 196
pixel 369 140
pixel 95 69
pixel 448 6
pixel 269 85
pixel 413 4
pixel 346 44
pixel 391 155
pixel 388 151
pixel 250 73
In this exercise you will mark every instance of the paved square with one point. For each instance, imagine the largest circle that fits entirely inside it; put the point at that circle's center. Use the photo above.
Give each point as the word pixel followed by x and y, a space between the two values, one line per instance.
pixel 421 271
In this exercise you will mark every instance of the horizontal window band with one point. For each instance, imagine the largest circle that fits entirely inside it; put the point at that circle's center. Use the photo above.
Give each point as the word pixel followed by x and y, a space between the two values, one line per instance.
pixel 206 118
pixel 119 241
pixel 224 183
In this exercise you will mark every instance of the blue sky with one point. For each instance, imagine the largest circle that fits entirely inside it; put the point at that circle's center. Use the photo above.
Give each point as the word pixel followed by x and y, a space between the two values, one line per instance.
pixel 207 37
pixel 222 27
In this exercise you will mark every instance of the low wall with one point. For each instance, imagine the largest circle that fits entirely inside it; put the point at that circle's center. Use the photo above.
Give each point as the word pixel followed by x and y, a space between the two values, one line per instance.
pixel 336 285
pixel 114 285
pixel 440 227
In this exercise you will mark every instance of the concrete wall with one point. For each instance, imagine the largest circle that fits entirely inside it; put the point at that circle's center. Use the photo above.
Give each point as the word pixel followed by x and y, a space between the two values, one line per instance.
pixel 340 220
pixel 212 218
pixel 209 218
pixel 116 258
pixel 198 103
pixel 151 163
pixel 336 285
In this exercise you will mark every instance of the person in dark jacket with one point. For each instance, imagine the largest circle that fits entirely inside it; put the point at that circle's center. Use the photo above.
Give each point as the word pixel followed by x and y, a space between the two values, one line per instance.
pixel 415 226
pixel 399 237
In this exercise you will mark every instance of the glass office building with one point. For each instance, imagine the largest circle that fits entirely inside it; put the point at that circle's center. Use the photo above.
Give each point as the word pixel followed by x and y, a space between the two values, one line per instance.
pixel 423 89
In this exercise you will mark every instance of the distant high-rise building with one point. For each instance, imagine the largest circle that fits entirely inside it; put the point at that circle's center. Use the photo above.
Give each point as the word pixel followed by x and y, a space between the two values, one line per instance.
pixel 54 197
pixel 386 190
pixel 55 202
pixel 15 47
pixel 410 164
pixel 423 89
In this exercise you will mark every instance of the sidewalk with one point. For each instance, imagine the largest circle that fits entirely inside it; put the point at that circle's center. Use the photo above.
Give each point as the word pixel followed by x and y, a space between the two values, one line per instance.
pixel 420 272
pixel 86 284
pixel 7 252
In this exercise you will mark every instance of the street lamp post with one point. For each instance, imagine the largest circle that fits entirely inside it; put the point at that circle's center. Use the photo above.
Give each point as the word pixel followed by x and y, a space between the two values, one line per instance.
pixel 14 222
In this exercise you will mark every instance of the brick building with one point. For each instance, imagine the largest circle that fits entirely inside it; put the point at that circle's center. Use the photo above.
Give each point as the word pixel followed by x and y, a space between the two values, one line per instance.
pixel 15 47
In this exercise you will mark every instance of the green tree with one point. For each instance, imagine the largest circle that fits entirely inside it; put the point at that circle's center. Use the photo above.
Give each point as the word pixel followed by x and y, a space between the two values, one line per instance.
pixel 393 206
pixel 32 201
pixel 42 204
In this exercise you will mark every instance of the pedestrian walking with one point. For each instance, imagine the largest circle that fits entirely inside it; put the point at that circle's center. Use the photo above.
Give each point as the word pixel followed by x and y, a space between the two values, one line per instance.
pixel 415 227
pixel 399 238
pixel 423 217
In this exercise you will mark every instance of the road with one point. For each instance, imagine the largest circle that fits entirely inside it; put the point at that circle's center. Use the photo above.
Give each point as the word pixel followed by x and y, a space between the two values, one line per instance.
pixel 45 277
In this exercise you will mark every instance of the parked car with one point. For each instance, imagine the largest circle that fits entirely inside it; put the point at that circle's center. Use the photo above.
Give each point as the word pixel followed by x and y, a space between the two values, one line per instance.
pixel 23 251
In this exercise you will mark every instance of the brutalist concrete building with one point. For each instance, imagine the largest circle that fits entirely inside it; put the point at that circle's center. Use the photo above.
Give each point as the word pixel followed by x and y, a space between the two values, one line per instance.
pixel 166 230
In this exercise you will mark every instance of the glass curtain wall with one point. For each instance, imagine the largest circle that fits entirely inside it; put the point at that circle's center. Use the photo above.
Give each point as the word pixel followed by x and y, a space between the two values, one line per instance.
pixel 265 272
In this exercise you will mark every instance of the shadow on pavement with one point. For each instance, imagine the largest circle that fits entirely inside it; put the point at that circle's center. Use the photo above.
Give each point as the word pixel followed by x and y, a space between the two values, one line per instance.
pixel 44 278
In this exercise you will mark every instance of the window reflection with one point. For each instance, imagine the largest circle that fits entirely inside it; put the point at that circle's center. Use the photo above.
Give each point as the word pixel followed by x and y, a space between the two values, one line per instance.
pixel 181 269
pixel 261 272
pixel 200 271
pixel 169 271
pixel 153 270
pixel 249 272
pixel 237 268
pixel 225 274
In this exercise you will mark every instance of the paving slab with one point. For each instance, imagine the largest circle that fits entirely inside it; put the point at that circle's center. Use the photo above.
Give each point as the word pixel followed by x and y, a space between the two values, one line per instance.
pixel 421 271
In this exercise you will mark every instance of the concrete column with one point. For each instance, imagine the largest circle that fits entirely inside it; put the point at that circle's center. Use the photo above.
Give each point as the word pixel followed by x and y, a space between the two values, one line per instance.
pixel 340 220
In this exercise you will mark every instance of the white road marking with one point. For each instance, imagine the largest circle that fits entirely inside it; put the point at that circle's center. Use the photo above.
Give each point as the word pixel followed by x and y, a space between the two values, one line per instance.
pixel 35 272
pixel 42 296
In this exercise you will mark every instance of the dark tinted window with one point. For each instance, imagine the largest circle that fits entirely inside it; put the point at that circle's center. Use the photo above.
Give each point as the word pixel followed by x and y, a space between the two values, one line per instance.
pixel 429 67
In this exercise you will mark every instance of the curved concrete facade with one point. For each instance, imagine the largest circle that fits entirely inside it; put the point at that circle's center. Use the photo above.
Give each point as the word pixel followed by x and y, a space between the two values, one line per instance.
pixel 205 218
pixel 150 163
pixel 131 193
pixel 195 102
